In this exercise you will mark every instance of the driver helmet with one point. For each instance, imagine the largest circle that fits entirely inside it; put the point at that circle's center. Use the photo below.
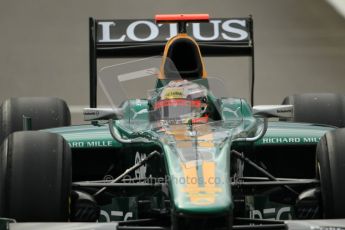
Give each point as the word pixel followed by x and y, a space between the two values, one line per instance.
pixel 181 102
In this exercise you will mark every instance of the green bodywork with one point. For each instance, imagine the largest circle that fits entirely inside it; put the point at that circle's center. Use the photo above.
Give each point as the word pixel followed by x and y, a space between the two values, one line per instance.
pixel 98 137
pixel 278 133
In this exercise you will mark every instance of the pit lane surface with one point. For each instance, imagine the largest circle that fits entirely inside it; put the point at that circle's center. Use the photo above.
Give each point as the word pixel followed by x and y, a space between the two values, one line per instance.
pixel 300 45
pixel 299 225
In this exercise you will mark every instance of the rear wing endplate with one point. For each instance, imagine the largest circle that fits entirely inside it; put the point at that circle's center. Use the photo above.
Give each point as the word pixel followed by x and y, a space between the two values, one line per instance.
pixel 138 38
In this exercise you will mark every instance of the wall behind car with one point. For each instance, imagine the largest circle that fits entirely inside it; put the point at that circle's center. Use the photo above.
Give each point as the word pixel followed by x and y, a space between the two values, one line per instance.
pixel 300 45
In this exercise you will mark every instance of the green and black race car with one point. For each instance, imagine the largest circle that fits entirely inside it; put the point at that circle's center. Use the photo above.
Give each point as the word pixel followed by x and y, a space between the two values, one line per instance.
pixel 174 149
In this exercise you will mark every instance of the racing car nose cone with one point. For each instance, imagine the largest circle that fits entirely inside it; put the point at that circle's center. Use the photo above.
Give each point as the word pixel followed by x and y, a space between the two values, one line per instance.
pixel 199 178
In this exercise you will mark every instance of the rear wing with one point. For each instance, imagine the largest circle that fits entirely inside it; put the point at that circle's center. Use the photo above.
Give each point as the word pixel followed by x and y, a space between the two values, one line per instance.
pixel 138 38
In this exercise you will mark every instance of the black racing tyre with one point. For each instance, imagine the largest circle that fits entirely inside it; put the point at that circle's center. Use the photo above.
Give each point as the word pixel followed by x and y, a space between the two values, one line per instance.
pixel 45 112
pixel 319 108
pixel 35 177
pixel 330 155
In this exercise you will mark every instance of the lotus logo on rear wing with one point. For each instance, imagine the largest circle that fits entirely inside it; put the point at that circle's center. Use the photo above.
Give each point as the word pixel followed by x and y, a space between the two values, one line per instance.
pixel 218 30
pixel 113 38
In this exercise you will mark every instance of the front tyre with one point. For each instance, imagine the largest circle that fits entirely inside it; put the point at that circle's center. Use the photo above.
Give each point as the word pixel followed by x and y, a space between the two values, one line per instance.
pixel 330 154
pixel 35 177
pixel 45 112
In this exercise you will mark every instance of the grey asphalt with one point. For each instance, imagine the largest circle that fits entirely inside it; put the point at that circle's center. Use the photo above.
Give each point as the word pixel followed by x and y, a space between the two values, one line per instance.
pixel 300 225
pixel 300 45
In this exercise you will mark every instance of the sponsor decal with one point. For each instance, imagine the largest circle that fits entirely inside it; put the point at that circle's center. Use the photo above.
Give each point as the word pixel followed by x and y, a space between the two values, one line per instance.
pixel 94 113
pixel 140 173
pixel 289 140
pixel 278 140
pixel 90 144
pixel 284 110
pixel 117 215
pixel 271 213
pixel 120 209
pixel 172 93
pixel 260 207
pixel 118 31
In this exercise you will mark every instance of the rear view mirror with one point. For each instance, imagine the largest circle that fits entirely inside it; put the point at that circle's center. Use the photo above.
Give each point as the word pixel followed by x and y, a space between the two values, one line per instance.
pixel 268 111
pixel 95 114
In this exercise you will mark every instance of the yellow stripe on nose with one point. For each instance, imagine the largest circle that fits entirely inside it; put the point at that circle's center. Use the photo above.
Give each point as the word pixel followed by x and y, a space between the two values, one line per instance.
pixel 201 195
pixel 191 177
pixel 209 170
pixel 206 141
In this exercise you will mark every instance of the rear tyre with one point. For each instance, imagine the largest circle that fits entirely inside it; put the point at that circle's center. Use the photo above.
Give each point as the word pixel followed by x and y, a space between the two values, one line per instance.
pixel 45 112
pixel 35 177
pixel 319 108
pixel 330 155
